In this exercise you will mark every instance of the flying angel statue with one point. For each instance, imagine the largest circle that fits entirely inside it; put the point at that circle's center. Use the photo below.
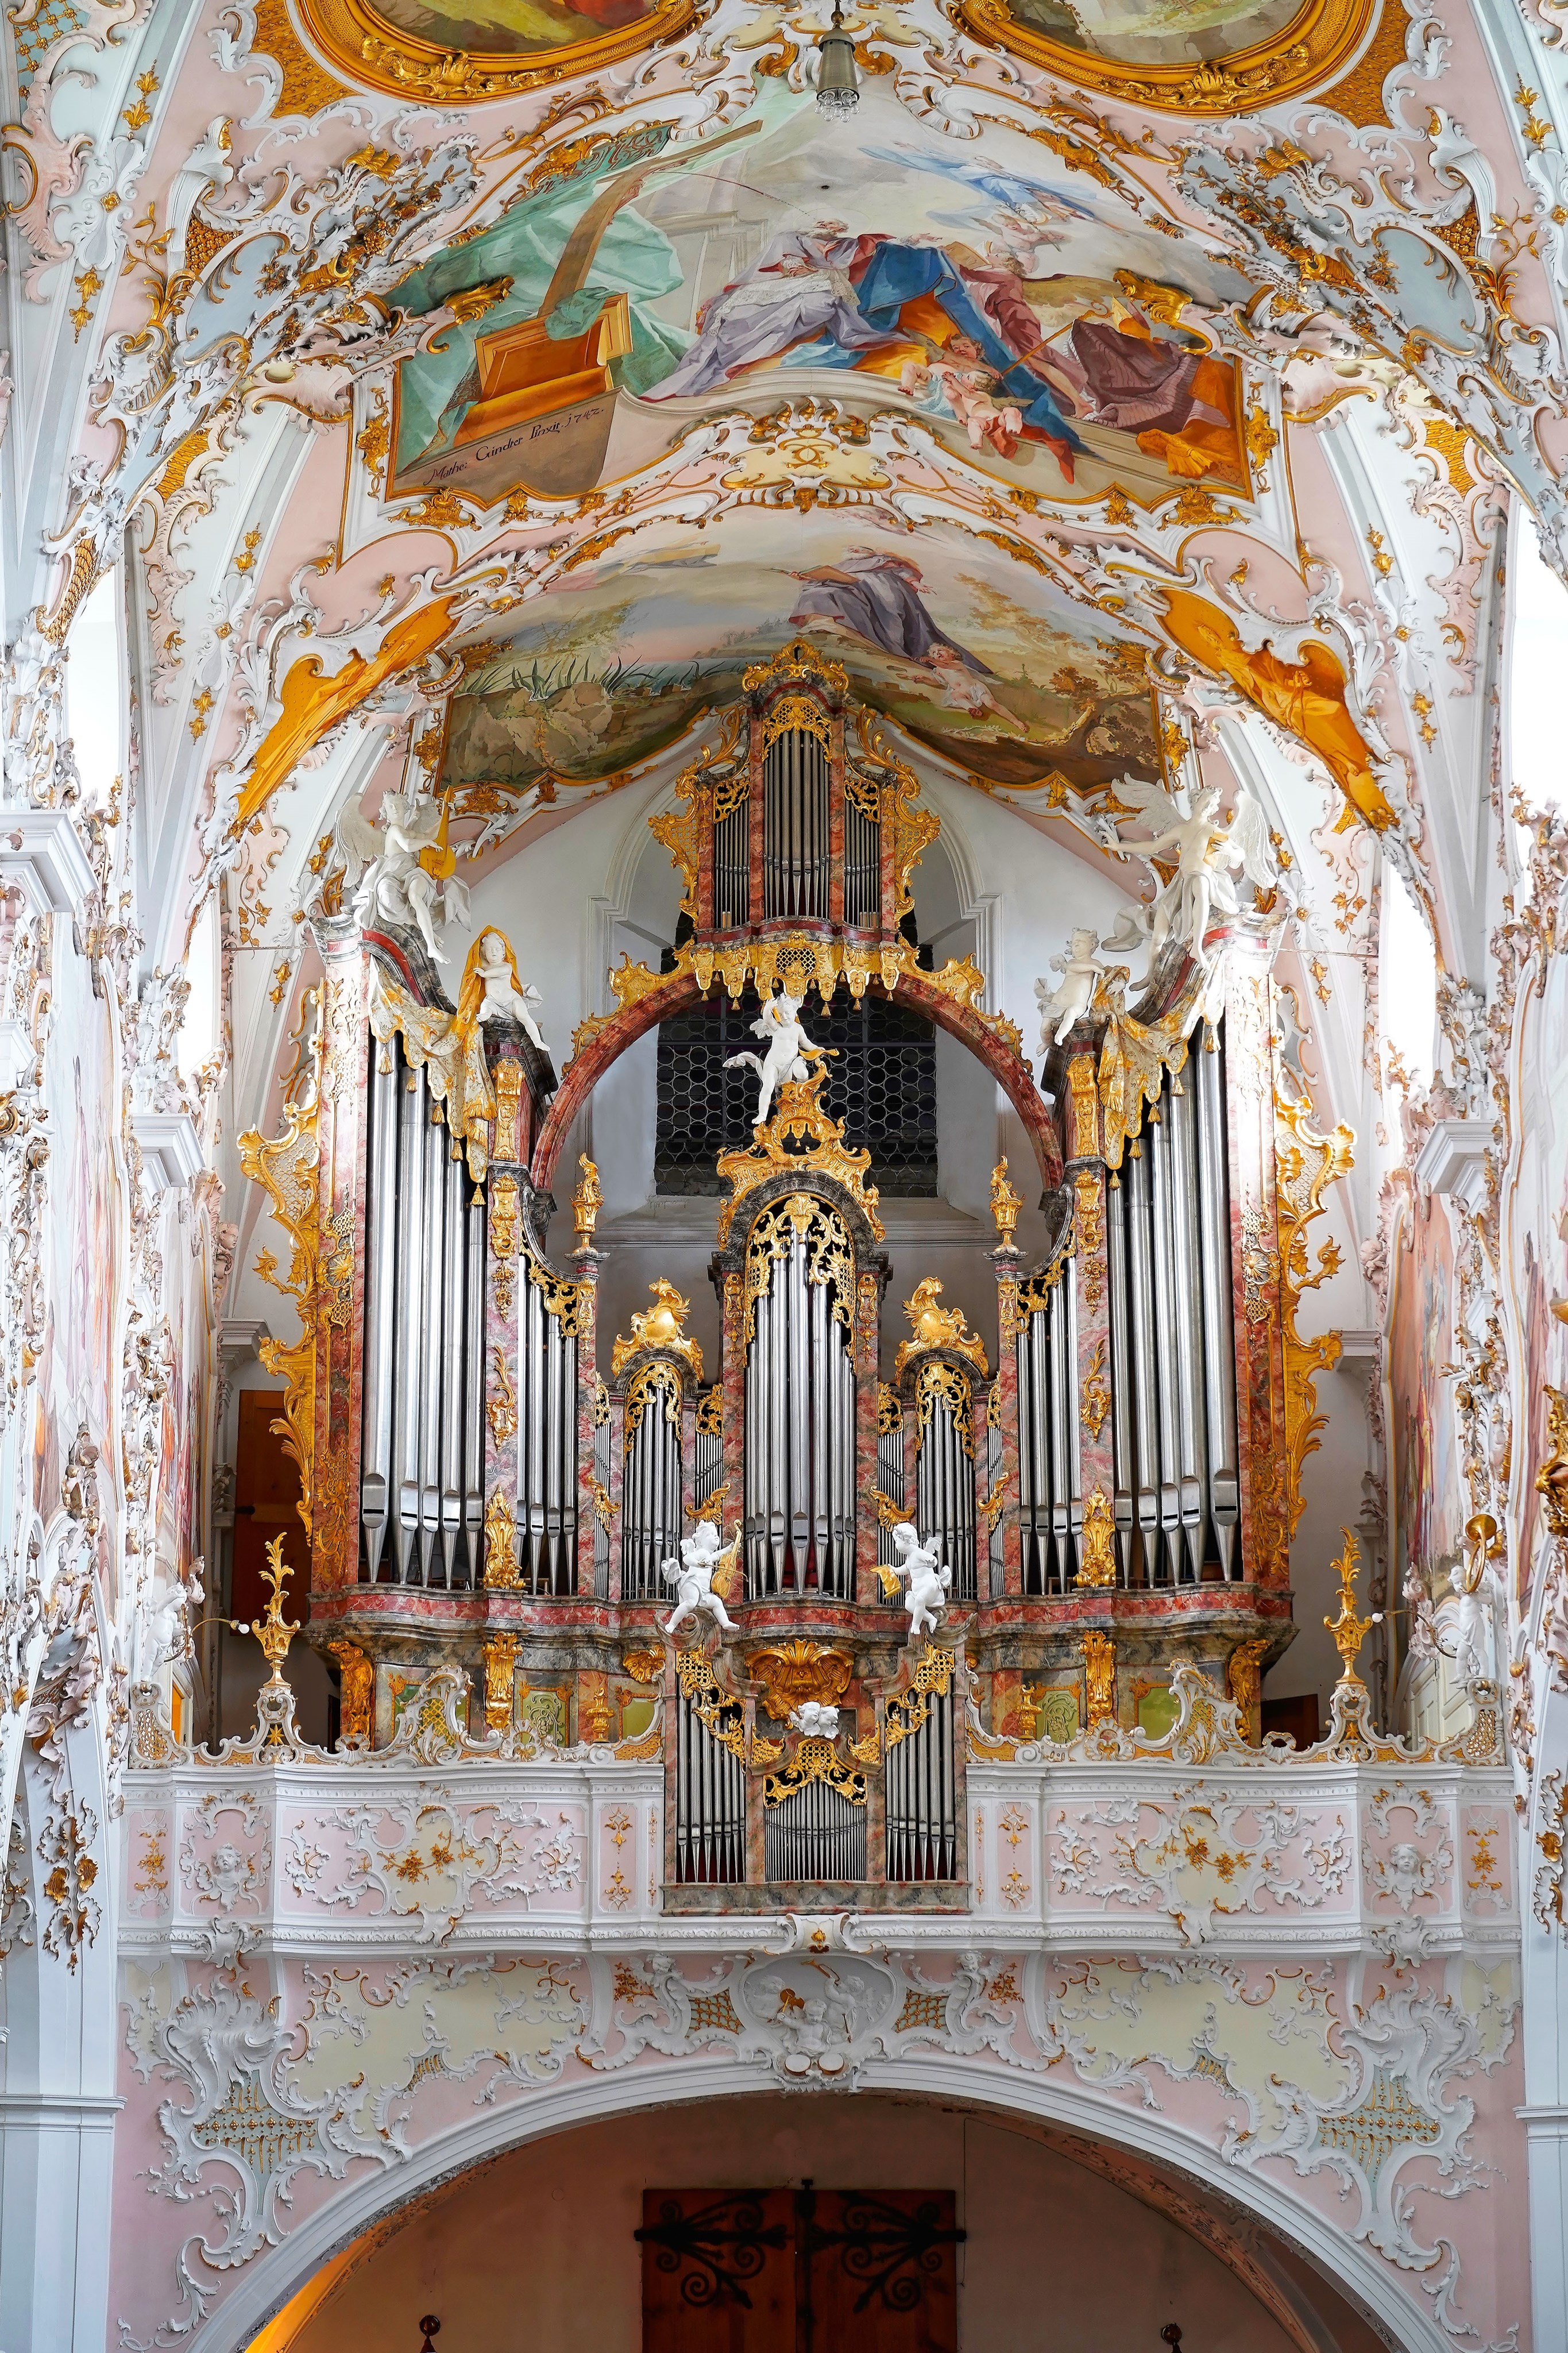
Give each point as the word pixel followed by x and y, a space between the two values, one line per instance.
pixel 1208 852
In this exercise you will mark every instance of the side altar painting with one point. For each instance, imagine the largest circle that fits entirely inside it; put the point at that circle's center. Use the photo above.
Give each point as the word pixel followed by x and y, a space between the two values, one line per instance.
pixel 614 666
pixel 1024 310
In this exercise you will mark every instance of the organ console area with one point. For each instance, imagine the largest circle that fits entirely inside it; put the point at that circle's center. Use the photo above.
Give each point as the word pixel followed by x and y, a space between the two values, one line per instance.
pixel 495 1481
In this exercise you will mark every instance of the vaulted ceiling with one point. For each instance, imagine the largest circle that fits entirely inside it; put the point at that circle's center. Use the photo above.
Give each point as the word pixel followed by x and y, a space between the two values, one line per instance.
pixel 483 386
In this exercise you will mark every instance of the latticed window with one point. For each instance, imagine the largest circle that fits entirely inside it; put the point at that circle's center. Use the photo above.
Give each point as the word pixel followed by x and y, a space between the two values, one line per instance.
pixel 882 1086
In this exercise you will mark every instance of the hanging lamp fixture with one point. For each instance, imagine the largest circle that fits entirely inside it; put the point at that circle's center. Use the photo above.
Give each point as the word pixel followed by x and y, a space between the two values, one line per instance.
pixel 837 89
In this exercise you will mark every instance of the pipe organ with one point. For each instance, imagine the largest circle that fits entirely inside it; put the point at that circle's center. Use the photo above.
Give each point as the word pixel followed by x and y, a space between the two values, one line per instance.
pixel 1107 1475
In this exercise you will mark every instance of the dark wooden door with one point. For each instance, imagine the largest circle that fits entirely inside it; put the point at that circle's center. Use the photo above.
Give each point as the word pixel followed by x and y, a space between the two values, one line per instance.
pixel 799 2271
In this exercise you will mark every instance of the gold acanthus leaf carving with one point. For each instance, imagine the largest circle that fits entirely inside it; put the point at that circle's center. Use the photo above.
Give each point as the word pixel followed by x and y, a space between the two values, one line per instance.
pixel 286 1168
pixel 661 1326
pixel 936 1327
pixel 819 1150
pixel 794 1673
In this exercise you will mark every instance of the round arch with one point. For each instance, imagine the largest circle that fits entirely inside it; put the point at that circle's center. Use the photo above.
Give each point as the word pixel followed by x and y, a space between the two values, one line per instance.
pixel 678 991
pixel 278 2276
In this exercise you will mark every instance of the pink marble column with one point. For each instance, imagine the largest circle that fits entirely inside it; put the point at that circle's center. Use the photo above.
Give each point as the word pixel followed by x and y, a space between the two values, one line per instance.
pixel 585 1270
pixel 1096 1452
pixel 867 1305
pixel 1005 1392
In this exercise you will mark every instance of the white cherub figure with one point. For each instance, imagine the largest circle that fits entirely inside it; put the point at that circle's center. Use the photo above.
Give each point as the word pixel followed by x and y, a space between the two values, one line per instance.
pixel 815 1718
pixel 1474 1622
pixel 1081 972
pixel 788 1047
pixel 397 885
pixel 506 996
pixel 930 1586
pixel 702 1557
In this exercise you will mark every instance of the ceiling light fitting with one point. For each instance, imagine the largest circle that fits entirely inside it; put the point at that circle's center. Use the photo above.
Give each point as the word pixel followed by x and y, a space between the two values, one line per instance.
pixel 837 90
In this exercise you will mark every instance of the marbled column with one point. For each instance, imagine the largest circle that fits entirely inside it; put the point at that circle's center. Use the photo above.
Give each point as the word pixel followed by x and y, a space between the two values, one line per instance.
pixel 617 1478
pixel 506 1272
pixel 1096 1428
pixel 732 1389
pixel 1006 1394
pixel 341 1132
pixel 867 1305
pixel 1255 1266
pixel 836 824
pixel 585 1271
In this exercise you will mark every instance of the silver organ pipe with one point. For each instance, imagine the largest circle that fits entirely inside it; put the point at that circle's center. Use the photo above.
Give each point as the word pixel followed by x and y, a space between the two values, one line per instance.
pixel 796 858
pixel 920 1791
pixel 945 1471
pixel 800 1500
pixel 546 1438
pixel 815 1833
pixel 709 1444
pixel 1172 1360
pixel 732 853
pixel 421 1497
pixel 651 1514
pixel 1048 1480
pixel 862 852
pixel 376 1466
pixel 710 1796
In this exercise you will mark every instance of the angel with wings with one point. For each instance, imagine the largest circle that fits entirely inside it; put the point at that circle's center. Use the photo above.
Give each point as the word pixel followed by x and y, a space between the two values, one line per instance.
pixel 1207 852
pixel 401 870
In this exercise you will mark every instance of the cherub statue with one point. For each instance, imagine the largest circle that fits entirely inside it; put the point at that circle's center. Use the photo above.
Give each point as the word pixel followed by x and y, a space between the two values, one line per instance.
pixel 929 1586
pixel 504 997
pixel 164 1620
pixel 1207 850
pixel 1081 972
pixel 815 1718
pixel 1474 1662
pixel 788 1049
pixel 702 1560
pixel 402 867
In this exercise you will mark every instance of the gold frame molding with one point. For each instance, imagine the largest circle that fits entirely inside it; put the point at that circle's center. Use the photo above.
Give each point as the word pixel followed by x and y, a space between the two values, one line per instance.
pixel 1314 47
pixel 371 51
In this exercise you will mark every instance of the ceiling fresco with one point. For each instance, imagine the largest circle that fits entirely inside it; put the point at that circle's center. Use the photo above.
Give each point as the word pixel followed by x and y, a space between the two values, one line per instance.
pixel 1024 310
pixel 627 656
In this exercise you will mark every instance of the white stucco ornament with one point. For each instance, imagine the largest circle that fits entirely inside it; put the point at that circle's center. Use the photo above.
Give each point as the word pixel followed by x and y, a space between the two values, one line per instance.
pixel 1207 850
pixel 506 998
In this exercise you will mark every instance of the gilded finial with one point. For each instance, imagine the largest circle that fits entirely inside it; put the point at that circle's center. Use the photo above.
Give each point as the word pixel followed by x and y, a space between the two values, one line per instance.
pixel 1349 1630
pixel 586 1202
pixel 1097 1566
pixel 1005 1204
pixel 273 1630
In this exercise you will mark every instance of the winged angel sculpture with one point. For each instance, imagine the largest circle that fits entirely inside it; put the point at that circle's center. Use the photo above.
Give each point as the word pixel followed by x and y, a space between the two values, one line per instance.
pixel 1208 852
pixel 400 869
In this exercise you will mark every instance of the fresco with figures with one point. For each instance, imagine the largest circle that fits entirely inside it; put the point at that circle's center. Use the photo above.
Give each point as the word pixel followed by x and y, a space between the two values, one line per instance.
pixel 633 649
pixel 1018 306
pixel 1427 1490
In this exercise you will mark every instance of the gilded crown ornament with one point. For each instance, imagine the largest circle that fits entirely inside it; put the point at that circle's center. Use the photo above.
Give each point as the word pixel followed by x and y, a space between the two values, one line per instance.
pixel 272 1629
pixel 936 1327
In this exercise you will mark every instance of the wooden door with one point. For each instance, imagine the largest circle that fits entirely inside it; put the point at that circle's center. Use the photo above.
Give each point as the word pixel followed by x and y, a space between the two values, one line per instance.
pixel 800 2271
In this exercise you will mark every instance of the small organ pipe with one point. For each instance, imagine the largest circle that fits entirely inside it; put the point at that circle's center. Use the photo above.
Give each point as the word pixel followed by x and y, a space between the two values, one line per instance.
pixel 378 1474
pixel 1188 1357
pixel 1219 1360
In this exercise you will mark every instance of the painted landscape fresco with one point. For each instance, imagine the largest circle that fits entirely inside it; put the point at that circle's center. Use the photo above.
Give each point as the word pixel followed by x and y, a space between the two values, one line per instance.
pixel 1019 307
pixel 611 672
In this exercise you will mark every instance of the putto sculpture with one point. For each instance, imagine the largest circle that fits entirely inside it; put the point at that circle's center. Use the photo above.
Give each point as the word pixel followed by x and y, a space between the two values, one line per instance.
pixel 929 1583
pixel 1207 850
pixel 790 1052
pixel 703 1562
pixel 1081 973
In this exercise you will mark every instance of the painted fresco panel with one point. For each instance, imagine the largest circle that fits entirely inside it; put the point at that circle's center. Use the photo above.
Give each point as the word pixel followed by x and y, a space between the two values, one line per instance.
pixel 1428 1504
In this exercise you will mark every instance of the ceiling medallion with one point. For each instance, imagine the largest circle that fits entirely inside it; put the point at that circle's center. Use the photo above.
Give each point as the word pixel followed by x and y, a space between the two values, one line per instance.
pixel 1124 48
pixel 452 52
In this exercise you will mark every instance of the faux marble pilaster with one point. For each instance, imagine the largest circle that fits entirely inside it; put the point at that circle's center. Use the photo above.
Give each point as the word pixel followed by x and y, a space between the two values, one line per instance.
pixel 586 1273
pixel 1005 1392
pixel 867 1544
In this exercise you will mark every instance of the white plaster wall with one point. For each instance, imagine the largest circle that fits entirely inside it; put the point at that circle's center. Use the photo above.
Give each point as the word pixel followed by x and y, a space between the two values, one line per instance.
pixel 537 2248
